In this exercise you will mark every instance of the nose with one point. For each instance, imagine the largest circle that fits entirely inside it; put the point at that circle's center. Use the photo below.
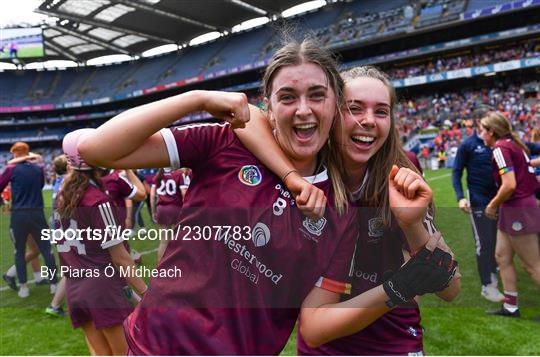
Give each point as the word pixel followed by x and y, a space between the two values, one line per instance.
pixel 367 120
pixel 303 107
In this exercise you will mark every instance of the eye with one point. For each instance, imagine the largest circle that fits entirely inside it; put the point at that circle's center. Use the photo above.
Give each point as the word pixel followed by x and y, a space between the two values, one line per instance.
pixel 286 98
pixel 355 109
pixel 318 95
pixel 382 113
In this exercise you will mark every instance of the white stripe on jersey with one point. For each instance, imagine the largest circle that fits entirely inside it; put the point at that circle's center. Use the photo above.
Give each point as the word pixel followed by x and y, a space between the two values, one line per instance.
pixel 499 158
pixel 106 214
pixel 172 149
pixel 108 219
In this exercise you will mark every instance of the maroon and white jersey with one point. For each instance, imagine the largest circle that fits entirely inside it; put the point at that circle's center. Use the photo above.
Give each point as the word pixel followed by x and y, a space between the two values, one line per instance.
pixel 169 190
pixel 242 295
pixel 398 332
pixel 509 156
pixel 97 212
pixel 119 189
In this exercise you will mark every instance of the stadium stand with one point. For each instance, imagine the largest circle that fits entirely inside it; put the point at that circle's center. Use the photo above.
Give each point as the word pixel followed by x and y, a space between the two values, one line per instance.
pixel 340 25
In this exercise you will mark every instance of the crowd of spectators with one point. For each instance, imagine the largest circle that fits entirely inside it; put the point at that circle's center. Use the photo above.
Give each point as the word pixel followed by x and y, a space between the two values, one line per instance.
pixel 463 60
pixel 451 112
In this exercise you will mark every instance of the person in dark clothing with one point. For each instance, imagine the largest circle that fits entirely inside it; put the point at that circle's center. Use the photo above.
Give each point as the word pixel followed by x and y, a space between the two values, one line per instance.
pixel 475 157
pixel 27 217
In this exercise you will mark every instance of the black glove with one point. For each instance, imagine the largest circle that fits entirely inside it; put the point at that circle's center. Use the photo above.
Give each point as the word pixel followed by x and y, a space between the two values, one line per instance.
pixel 426 272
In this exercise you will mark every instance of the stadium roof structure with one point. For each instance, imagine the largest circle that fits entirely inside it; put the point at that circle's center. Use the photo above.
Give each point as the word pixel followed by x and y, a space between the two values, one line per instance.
pixel 86 29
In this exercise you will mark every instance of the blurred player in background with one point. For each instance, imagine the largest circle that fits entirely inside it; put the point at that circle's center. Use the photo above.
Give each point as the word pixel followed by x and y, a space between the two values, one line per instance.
pixel 514 206
pixel 96 302
pixel 475 157
pixel 61 168
pixel 167 197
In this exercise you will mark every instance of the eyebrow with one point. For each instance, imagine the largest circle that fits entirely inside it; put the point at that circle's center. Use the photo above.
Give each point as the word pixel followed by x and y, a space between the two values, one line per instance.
pixel 310 89
pixel 356 101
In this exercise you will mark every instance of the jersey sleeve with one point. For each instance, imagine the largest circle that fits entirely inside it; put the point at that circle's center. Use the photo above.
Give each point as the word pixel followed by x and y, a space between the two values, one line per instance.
pixel 126 188
pixel 104 217
pixel 503 159
pixel 336 276
pixel 193 145
pixel 5 178
pixel 460 163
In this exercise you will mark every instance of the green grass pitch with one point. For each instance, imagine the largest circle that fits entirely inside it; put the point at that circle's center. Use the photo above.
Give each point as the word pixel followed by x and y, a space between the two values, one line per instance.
pixel 459 328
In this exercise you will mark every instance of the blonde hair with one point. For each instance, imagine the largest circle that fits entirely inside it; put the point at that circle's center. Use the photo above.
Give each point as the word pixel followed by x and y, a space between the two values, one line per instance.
pixel 295 53
pixel 501 127
pixel 375 193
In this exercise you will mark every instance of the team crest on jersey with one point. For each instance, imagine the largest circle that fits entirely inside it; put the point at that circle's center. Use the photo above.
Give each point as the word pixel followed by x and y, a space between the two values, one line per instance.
pixel 250 175
pixel 375 229
pixel 314 226
pixel 479 149
pixel 517 226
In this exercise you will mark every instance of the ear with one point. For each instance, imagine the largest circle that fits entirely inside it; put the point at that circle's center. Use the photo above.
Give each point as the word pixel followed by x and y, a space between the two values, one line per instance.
pixel 271 118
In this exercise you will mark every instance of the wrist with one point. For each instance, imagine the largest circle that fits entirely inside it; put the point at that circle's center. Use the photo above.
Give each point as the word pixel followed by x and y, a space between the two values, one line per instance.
pixel 198 99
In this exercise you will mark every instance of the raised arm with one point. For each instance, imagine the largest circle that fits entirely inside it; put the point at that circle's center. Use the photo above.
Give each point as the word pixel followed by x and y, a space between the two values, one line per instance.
pixel 409 198
pixel 131 139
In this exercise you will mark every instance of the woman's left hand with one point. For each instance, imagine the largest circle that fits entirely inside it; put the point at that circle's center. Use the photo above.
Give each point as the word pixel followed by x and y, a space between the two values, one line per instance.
pixel 409 195
pixel 491 212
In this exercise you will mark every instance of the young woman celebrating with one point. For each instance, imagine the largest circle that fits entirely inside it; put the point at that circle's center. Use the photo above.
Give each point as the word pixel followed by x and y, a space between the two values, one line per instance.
pixel 515 202
pixel 392 216
pixel 96 302
pixel 241 296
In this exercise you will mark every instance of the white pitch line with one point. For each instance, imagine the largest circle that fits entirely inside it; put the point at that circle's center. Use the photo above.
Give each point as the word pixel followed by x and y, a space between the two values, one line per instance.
pixel 146 252
pixel 439 177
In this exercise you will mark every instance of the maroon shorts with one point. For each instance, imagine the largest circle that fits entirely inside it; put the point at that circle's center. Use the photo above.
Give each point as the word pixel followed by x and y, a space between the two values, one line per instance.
pixel 520 216
pixel 168 215
pixel 98 299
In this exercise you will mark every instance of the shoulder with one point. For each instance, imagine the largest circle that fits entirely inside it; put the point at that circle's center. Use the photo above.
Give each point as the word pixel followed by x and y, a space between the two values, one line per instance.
pixel 94 197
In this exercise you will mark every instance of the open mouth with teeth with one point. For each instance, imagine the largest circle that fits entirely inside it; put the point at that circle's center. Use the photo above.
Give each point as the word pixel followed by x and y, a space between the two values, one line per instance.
pixel 305 131
pixel 363 140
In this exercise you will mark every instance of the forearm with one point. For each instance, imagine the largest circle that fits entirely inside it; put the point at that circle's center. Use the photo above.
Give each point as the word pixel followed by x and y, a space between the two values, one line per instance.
pixel 456 183
pixel 417 235
pixel 319 325
pixel 153 200
pixel 257 137
pixel 453 289
pixel 503 194
pixel 134 126
pixel 121 258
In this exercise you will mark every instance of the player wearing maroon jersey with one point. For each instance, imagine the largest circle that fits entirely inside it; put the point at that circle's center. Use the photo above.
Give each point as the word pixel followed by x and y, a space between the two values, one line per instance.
pixel 123 186
pixel 370 146
pixel 166 197
pixel 96 301
pixel 518 225
pixel 243 297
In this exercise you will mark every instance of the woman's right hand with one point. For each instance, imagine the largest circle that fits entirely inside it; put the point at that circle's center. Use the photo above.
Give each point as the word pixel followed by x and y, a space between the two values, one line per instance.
pixel 229 106
pixel 309 198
